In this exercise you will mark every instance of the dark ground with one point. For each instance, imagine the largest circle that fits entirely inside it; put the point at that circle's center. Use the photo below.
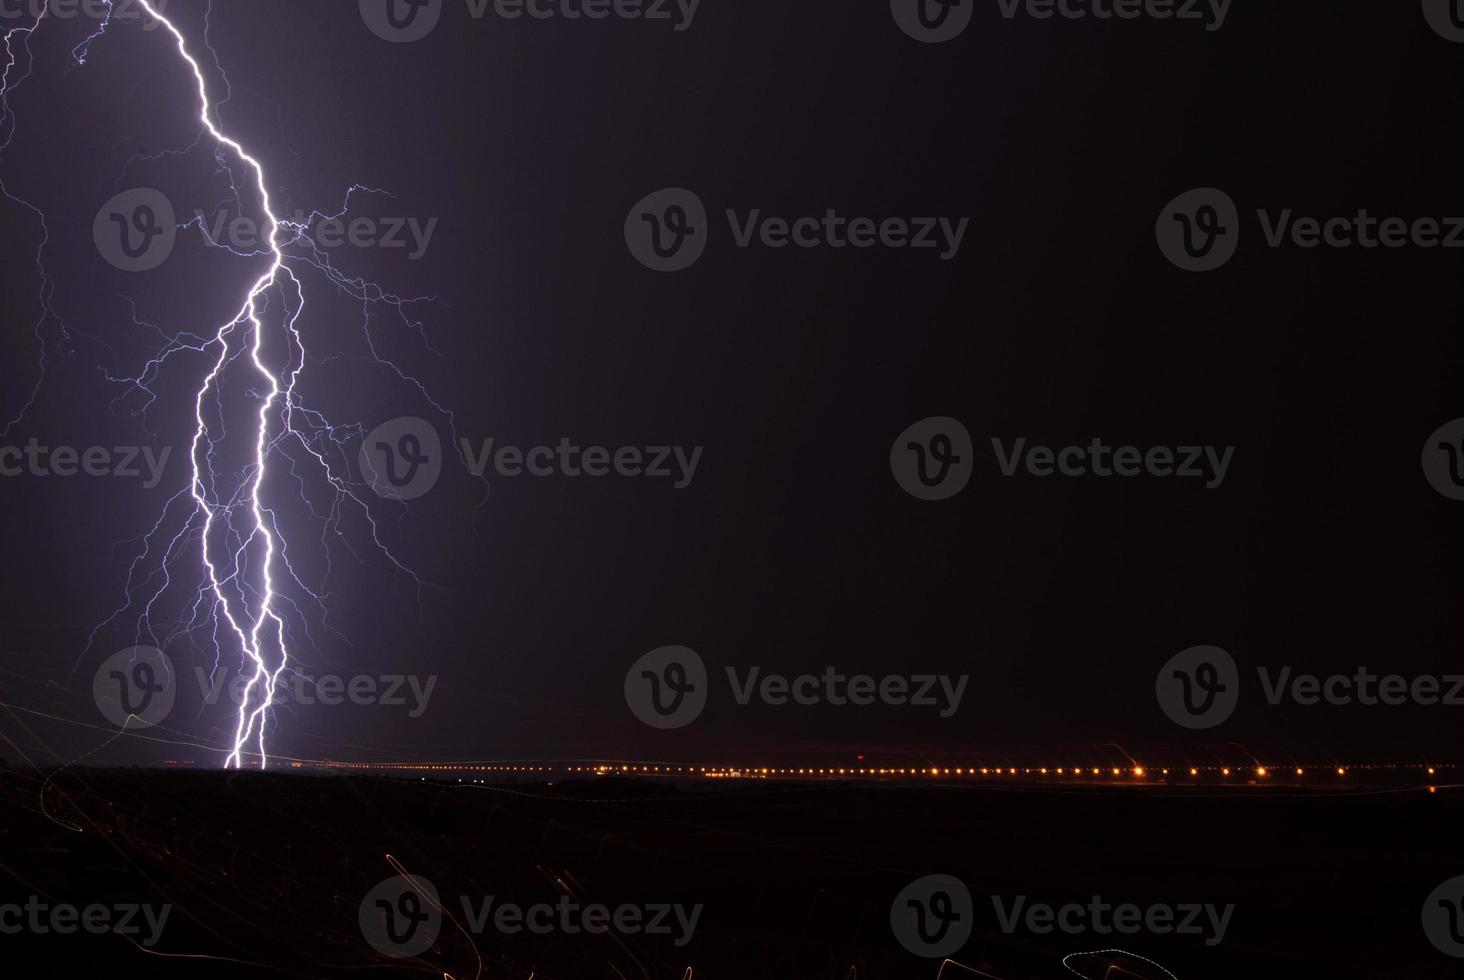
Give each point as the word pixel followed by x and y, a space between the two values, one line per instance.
pixel 796 878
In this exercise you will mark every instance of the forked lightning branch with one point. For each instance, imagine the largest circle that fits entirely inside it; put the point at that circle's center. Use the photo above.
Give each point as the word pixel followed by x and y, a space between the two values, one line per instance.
pixel 241 591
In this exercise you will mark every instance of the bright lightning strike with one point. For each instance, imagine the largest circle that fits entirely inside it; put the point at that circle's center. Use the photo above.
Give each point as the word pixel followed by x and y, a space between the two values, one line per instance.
pixel 242 553
pixel 259 694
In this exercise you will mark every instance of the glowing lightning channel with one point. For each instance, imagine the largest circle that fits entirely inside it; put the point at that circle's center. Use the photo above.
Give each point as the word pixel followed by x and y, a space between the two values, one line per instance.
pixel 253 614
pixel 262 685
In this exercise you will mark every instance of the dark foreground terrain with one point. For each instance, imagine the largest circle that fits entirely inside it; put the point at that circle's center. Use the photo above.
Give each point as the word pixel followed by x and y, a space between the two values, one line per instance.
pixel 266 874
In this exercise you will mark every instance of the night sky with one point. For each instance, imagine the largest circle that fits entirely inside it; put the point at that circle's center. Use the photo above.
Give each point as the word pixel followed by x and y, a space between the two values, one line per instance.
pixel 793 548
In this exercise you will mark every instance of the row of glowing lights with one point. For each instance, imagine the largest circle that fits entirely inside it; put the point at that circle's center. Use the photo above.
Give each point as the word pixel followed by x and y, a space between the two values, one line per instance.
pixel 1136 771
pixel 735 773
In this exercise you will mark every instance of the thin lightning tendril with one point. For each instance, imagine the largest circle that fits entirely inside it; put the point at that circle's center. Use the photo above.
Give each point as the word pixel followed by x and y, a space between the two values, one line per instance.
pixel 238 593
pixel 8 127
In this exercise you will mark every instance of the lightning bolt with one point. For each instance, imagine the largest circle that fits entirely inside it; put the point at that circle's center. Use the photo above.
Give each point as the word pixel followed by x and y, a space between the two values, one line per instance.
pixel 259 693
pixel 242 554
